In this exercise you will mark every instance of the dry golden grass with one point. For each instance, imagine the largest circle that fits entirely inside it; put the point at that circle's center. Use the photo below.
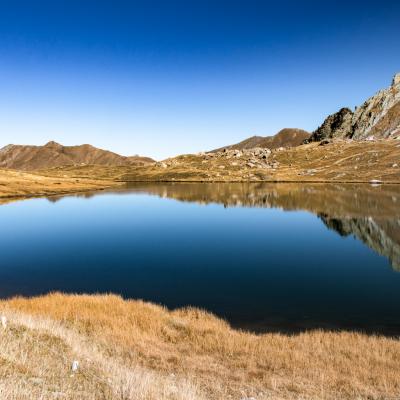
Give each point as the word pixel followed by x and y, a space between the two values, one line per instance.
pixel 14 184
pixel 137 350
pixel 36 357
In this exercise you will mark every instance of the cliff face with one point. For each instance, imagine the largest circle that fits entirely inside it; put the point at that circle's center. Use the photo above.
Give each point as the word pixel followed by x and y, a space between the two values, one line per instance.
pixel 337 125
pixel 378 117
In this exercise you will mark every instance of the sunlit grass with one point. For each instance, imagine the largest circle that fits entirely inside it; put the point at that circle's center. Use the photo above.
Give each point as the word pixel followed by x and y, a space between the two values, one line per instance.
pixel 137 350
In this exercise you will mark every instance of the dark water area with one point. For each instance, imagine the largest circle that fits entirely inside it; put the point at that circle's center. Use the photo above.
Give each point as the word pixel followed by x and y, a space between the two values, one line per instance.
pixel 266 257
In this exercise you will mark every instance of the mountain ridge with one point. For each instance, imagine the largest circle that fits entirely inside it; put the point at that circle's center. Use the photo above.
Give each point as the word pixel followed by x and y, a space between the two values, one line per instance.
pixel 286 137
pixel 53 154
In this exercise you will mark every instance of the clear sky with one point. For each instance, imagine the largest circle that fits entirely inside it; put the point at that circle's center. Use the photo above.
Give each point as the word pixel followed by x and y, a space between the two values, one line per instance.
pixel 161 78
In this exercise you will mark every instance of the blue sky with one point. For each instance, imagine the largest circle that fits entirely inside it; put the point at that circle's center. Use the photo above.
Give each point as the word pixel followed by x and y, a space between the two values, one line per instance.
pixel 161 78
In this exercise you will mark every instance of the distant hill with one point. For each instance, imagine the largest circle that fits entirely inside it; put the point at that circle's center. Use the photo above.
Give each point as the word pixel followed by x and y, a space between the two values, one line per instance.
pixel 377 118
pixel 54 154
pixel 288 137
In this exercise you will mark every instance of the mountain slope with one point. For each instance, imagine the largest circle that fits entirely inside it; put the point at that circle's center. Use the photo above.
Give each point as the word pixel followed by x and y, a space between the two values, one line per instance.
pixel 378 118
pixel 288 137
pixel 54 155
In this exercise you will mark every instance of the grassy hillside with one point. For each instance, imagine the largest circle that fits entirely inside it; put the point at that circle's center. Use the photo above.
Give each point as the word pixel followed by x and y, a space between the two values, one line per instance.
pixel 339 161
pixel 29 158
pixel 136 350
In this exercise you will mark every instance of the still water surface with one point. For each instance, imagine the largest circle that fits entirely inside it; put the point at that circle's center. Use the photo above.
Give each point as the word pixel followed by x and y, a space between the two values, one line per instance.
pixel 266 257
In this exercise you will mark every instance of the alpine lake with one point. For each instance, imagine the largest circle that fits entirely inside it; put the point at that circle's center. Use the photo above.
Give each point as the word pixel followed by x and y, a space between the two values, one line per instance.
pixel 265 257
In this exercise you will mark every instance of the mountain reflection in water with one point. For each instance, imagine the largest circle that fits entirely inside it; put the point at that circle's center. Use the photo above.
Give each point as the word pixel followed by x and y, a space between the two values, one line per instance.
pixel 370 213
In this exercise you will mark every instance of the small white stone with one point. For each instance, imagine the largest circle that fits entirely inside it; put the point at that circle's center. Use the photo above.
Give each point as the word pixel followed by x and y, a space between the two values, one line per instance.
pixel 3 321
pixel 375 182
pixel 74 366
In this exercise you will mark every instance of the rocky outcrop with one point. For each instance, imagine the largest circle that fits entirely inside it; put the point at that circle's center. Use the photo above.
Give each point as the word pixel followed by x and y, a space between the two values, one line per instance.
pixel 377 118
pixel 337 125
pixel 54 155
pixel 257 158
pixel 367 117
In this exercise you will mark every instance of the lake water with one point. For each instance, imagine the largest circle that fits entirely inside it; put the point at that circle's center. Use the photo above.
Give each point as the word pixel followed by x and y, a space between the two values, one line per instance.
pixel 266 257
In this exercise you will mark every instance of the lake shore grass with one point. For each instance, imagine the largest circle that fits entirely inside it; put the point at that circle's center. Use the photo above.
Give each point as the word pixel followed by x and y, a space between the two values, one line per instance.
pixel 19 185
pixel 130 349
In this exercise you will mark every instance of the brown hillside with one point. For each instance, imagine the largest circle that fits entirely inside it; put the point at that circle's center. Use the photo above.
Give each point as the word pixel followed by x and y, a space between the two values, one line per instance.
pixel 54 155
pixel 288 137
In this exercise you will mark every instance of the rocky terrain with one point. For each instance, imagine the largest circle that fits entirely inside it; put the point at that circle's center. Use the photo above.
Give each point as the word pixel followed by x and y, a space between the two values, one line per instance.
pixel 288 137
pixel 54 154
pixel 377 118
pixel 340 161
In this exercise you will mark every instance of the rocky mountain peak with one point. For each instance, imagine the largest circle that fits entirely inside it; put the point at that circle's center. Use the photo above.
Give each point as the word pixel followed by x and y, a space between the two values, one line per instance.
pixel 378 117
pixel 396 79
pixel 52 144
pixel 336 125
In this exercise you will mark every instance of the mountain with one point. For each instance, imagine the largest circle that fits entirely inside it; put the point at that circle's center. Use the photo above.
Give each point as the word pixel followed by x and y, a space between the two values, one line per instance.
pixel 288 137
pixel 54 154
pixel 377 118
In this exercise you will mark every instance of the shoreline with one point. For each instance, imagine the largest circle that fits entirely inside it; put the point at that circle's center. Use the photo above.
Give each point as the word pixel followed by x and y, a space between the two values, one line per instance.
pixel 119 184
pixel 19 185
pixel 361 182
pixel 150 350
pixel 269 325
